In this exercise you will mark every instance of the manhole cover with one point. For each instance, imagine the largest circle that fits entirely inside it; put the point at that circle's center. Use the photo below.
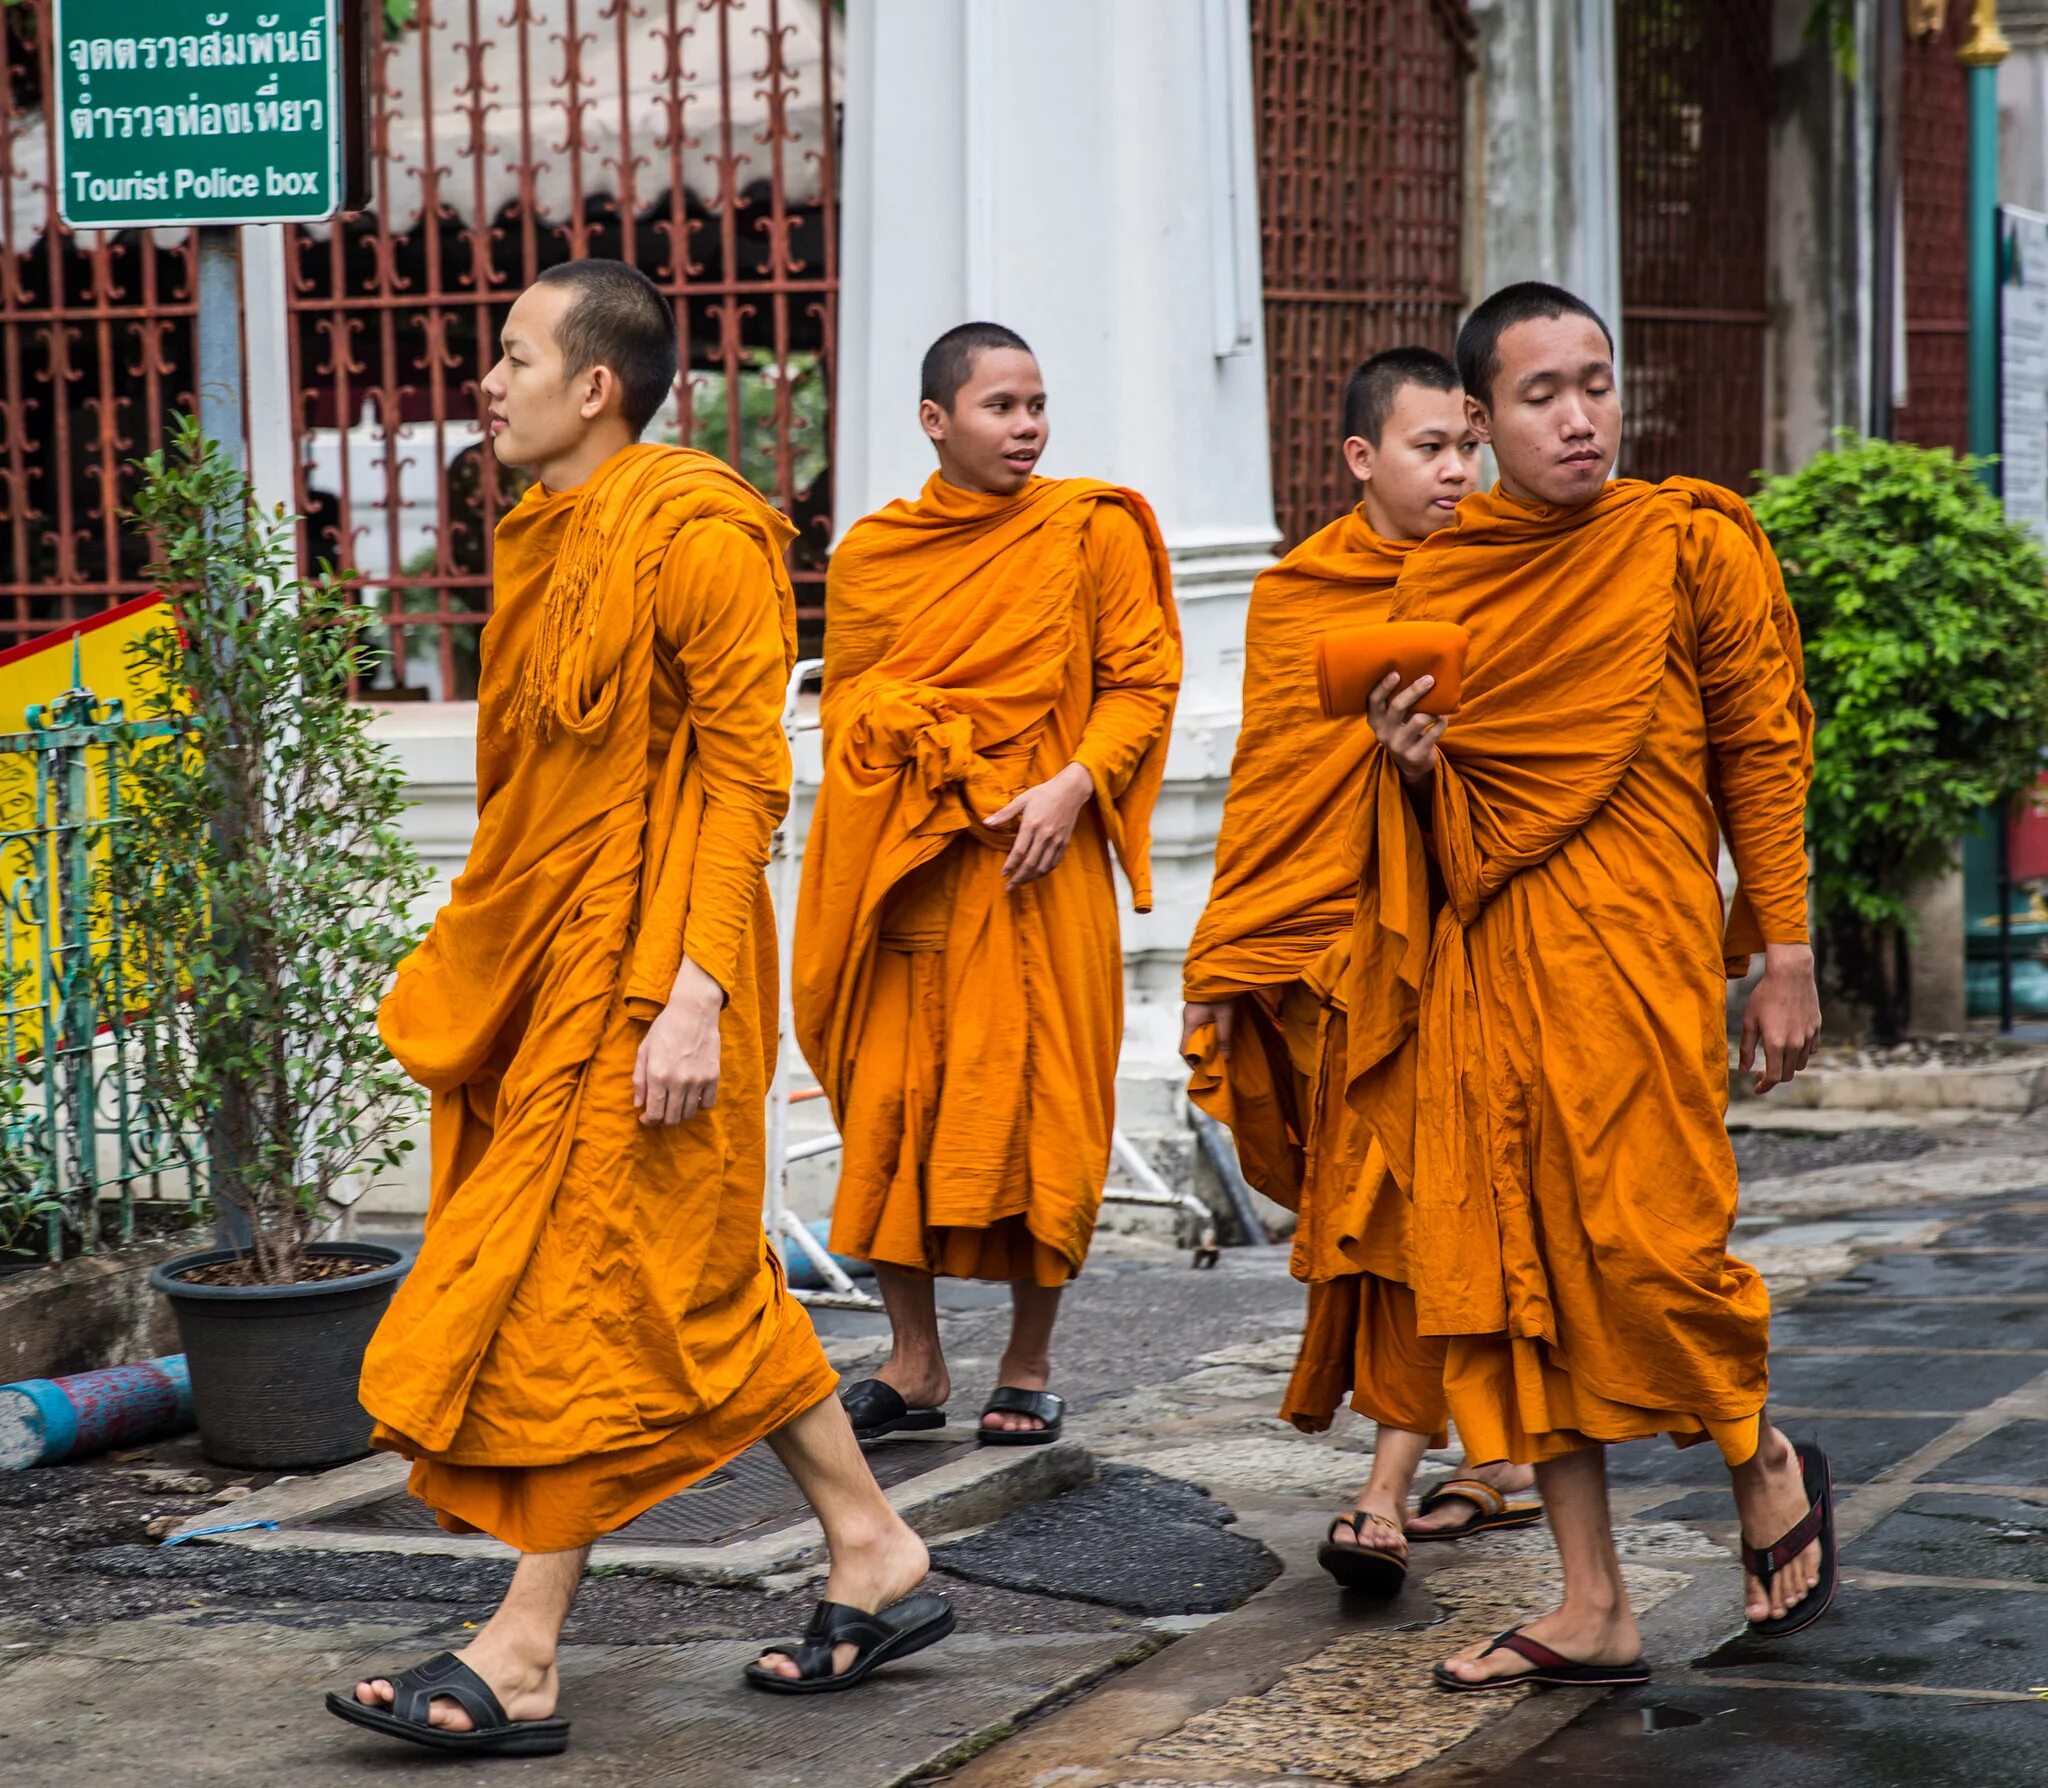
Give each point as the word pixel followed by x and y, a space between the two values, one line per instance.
pixel 751 1495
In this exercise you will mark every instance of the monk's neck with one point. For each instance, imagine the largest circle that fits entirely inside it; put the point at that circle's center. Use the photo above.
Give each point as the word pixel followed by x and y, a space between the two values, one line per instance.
pixel 571 470
pixel 958 481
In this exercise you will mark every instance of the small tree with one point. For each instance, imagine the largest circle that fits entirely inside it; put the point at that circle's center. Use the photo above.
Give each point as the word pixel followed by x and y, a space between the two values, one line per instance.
pixel 1926 624
pixel 265 882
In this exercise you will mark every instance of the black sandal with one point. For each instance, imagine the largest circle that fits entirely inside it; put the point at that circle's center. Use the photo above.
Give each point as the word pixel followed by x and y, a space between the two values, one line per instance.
pixel 876 1409
pixel 896 1632
pixel 1491 1510
pixel 1553 1669
pixel 1354 1564
pixel 1009 1400
pixel 411 1713
pixel 1818 1523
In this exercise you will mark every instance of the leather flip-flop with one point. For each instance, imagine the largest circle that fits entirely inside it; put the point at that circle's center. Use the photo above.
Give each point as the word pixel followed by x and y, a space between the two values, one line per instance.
pixel 1818 1523
pixel 1553 1669
pixel 1368 1569
pixel 444 1676
pixel 897 1631
pixel 1009 1400
pixel 876 1409
pixel 1491 1511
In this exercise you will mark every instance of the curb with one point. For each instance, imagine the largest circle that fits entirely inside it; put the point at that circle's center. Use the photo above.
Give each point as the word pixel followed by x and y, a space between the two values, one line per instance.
pixel 2016 1089
pixel 970 1491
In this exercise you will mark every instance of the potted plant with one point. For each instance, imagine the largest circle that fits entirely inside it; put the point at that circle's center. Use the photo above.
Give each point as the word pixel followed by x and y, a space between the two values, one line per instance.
pixel 266 891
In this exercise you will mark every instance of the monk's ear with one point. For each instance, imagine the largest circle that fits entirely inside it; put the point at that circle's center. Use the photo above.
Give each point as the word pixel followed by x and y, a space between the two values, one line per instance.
pixel 1477 419
pixel 1358 455
pixel 598 390
pixel 932 419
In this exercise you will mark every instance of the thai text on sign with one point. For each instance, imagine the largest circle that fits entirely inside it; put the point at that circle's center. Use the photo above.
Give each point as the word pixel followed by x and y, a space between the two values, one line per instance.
pixel 197 111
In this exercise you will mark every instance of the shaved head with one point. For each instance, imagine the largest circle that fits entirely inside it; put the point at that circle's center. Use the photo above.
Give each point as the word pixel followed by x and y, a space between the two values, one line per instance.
pixel 619 320
pixel 949 361
pixel 1530 302
pixel 1370 395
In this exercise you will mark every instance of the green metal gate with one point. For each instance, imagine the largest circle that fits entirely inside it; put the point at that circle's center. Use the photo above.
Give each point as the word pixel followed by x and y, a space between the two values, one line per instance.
pixel 79 1144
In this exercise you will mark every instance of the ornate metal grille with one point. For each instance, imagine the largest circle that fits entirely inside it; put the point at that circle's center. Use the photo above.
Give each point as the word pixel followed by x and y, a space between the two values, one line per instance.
pixel 1361 202
pixel 1695 116
pixel 1934 192
pixel 696 139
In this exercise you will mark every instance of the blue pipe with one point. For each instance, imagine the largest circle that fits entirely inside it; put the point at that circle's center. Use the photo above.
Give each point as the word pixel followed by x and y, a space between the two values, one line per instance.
pixel 46 1420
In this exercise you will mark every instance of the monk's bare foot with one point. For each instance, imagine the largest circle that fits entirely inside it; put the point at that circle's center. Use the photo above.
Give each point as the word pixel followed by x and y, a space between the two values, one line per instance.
pixel 1509 1480
pixel 1375 1524
pixel 1770 1494
pixel 922 1382
pixel 521 1676
pixel 1593 1635
pixel 1022 1373
pixel 868 1574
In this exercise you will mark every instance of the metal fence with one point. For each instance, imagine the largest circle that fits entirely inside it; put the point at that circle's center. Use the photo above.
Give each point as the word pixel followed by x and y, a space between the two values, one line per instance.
pixel 1361 206
pixel 1934 192
pixel 1694 162
pixel 696 139
pixel 78 1140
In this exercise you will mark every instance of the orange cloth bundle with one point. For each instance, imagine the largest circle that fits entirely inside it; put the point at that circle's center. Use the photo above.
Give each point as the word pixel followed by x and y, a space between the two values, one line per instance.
pixel 1350 666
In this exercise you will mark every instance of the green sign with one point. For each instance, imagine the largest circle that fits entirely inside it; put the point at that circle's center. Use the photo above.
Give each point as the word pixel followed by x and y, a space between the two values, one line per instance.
pixel 198 112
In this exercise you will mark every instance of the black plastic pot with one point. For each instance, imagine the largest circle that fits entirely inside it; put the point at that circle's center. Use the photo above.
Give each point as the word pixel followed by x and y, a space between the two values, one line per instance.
pixel 275 1367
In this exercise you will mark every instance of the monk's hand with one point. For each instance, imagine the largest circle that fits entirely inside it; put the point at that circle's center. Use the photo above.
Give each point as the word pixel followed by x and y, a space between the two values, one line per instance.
pixel 1782 1017
pixel 1045 816
pixel 1410 738
pixel 1196 1013
pixel 675 1077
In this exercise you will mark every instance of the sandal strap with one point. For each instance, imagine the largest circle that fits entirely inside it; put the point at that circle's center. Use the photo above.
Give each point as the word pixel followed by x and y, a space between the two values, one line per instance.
pixel 832 1625
pixel 1008 1399
pixel 869 1401
pixel 1355 1519
pixel 1483 1496
pixel 444 1676
pixel 1534 1650
pixel 1766 1562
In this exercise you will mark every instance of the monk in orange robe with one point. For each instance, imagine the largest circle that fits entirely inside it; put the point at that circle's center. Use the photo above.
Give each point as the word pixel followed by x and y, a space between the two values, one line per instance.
pixel 1540 1047
pixel 1001 658
pixel 1264 1028
pixel 595 1321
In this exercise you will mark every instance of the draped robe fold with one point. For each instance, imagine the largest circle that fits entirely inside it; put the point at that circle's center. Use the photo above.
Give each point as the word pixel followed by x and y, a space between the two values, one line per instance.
pixel 966 1035
pixel 595 1320
pixel 1542 1054
pixel 1276 937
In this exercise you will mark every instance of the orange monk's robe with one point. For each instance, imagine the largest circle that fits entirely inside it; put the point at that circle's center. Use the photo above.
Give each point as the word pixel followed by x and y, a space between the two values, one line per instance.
pixel 1276 937
pixel 967 1035
pixel 595 1320
pixel 1544 1058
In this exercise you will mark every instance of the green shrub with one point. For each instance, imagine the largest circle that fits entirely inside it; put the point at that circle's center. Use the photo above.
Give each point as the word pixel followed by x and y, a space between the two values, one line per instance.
pixel 263 870
pixel 1926 622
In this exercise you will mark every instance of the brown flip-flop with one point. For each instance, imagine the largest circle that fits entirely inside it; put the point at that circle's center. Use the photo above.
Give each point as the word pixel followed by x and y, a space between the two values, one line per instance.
pixel 1491 1511
pixel 1552 1669
pixel 1372 1570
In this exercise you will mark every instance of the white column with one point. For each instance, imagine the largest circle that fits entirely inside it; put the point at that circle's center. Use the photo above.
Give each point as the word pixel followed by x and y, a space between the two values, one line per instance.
pixel 1085 174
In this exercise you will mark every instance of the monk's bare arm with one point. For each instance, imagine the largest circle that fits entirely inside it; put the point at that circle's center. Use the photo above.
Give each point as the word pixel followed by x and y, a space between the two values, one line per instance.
pixel 1747 689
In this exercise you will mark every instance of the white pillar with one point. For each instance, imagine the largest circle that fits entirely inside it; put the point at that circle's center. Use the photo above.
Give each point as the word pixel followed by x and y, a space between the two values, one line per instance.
pixel 1087 175
pixel 1546 147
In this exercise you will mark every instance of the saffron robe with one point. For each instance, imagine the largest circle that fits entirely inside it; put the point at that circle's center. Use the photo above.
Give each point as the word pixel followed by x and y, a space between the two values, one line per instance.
pixel 1276 937
pixel 595 1320
pixel 967 1035
pixel 1543 1056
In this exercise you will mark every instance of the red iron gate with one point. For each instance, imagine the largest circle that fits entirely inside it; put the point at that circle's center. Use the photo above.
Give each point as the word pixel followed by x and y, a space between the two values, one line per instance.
pixel 1934 195
pixel 1361 206
pixel 696 139
pixel 1694 79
